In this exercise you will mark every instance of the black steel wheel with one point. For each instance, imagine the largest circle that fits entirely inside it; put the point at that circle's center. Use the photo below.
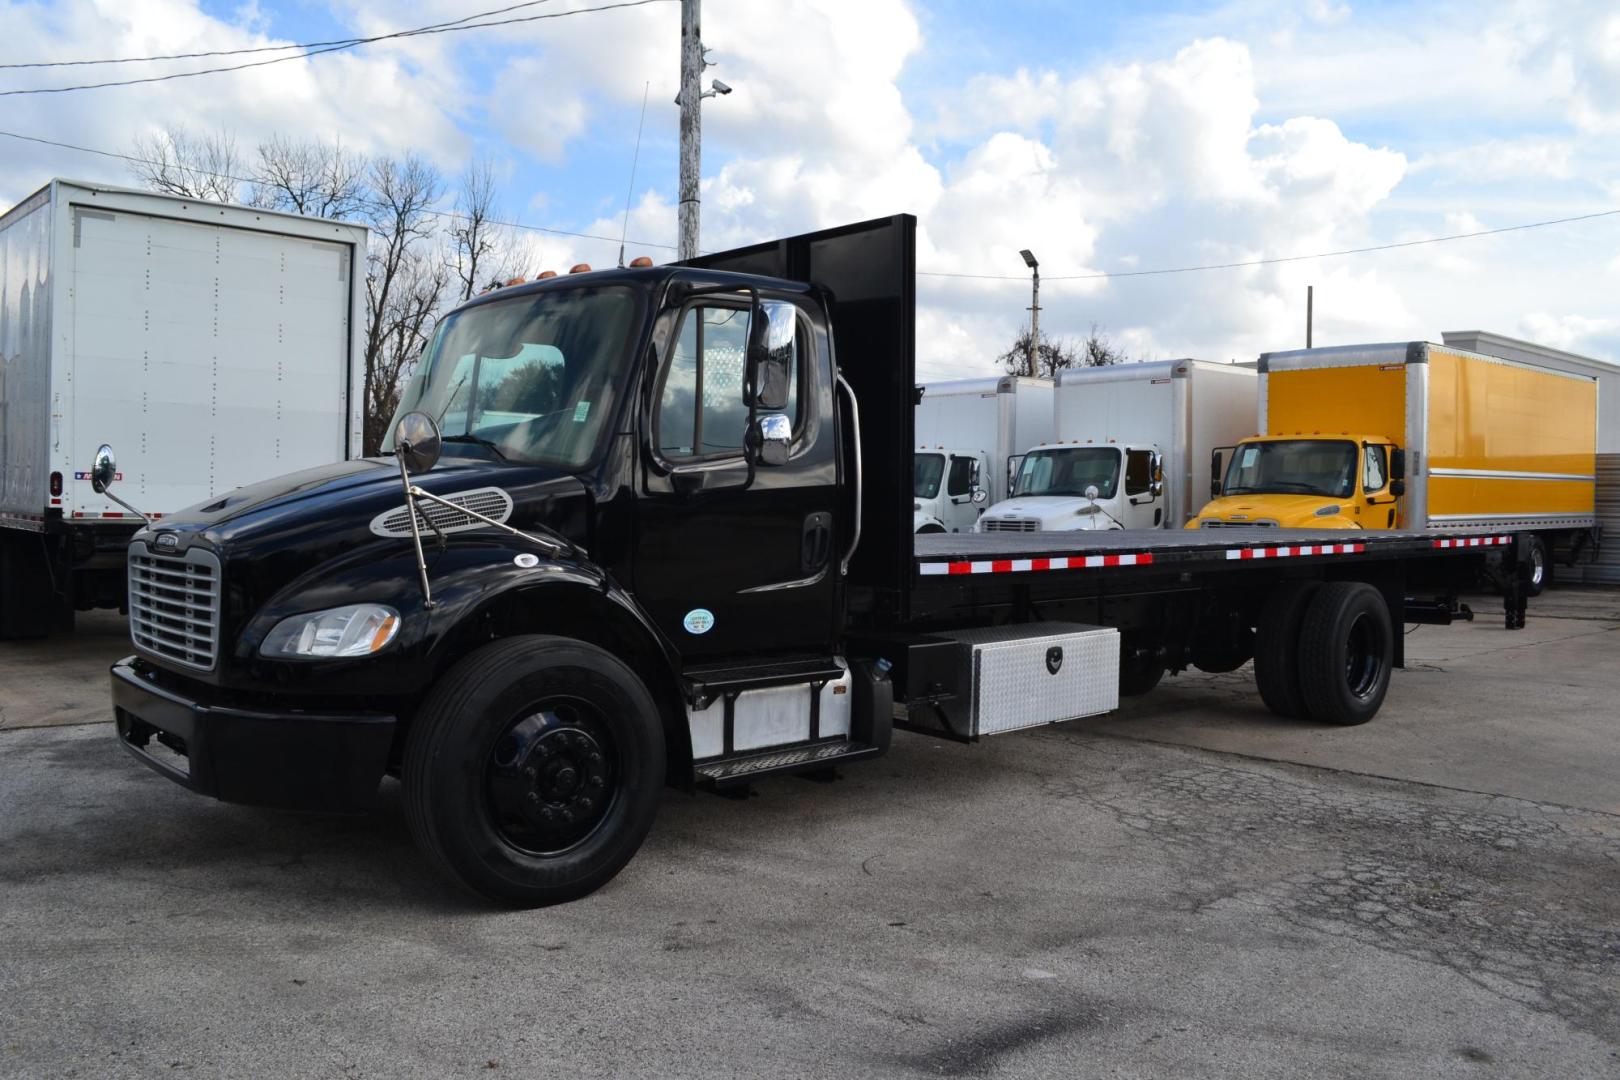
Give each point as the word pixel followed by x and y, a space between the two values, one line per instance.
pixel 1346 651
pixel 1276 647
pixel 533 770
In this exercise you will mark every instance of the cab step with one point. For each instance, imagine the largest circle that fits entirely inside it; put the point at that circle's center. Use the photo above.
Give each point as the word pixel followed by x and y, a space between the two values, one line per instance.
pixel 705 684
pixel 744 768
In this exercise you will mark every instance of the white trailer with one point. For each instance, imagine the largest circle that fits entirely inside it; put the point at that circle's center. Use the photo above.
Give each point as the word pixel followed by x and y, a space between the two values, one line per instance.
pixel 213 345
pixel 970 435
pixel 1140 435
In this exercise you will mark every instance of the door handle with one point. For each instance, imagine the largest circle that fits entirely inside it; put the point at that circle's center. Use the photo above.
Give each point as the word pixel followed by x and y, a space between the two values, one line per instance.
pixel 815 545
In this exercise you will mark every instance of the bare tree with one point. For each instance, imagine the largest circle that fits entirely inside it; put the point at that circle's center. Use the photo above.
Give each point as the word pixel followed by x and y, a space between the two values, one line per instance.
pixel 476 244
pixel 405 282
pixel 305 176
pixel 1099 350
pixel 192 166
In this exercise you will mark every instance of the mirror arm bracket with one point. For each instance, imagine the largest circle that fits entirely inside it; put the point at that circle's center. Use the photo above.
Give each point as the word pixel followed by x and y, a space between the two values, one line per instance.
pixel 552 547
pixel 416 533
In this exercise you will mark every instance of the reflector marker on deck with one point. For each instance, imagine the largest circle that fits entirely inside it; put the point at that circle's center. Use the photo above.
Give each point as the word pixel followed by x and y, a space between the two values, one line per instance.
pixel 1472 541
pixel 1295 549
pixel 1020 566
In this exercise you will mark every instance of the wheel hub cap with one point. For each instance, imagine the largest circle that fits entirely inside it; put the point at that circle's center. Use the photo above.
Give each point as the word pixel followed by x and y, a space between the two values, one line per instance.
pixel 550 780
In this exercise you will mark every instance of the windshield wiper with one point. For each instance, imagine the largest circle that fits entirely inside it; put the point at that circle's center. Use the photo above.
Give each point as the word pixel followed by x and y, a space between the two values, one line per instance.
pixel 469 437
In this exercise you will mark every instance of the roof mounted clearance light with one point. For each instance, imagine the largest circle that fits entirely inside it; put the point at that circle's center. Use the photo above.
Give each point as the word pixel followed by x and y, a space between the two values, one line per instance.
pixel 580 268
pixel 516 281
pixel 544 274
pixel 639 262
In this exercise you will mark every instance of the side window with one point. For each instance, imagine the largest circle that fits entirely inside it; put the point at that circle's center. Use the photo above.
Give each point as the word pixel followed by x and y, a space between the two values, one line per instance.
pixel 1377 469
pixel 701 411
pixel 961 479
pixel 1138 472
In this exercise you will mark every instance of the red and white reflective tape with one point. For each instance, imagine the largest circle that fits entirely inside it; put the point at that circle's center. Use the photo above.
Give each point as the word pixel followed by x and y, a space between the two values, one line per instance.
pixel 1472 541
pixel 1295 549
pixel 1020 566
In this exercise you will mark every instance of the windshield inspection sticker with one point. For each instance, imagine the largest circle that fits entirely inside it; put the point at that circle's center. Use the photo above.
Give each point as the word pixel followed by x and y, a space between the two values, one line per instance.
pixel 698 621
pixel 581 411
pixel 526 560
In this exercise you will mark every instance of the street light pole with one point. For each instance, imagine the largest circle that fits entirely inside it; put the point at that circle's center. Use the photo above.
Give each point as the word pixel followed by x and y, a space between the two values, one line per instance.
pixel 1034 310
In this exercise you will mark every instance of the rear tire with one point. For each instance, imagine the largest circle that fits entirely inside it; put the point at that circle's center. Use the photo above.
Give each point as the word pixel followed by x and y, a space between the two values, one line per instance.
pixel 1276 648
pixel 533 770
pixel 1538 566
pixel 1346 650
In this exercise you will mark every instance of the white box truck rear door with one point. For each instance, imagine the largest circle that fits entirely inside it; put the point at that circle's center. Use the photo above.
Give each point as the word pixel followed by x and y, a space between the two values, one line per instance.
pixel 208 356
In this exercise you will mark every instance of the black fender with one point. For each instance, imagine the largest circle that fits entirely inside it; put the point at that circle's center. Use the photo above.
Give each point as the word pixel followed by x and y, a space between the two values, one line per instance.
pixel 496 590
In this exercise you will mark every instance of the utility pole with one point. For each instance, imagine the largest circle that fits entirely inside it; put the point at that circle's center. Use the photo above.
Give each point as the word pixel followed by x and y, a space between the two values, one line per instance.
pixel 1310 302
pixel 691 102
pixel 1034 311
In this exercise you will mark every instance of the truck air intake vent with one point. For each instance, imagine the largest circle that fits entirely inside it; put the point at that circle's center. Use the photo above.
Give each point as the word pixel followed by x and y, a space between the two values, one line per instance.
pixel 492 502
pixel 174 605
pixel 1010 525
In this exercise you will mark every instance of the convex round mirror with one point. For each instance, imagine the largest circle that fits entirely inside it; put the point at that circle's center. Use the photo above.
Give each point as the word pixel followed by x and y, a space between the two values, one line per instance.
pixel 1091 492
pixel 416 441
pixel 105 469
pixel 980 495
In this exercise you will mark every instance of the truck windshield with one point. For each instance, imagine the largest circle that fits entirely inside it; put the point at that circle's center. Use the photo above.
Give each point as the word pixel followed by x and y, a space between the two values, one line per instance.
pixel 534 378
pixel 1069 472
pixel 1293 467
pixel 926 475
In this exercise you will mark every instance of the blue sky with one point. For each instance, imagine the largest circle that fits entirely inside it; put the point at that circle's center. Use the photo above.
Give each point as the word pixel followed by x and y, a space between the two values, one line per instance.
pixel 1108 136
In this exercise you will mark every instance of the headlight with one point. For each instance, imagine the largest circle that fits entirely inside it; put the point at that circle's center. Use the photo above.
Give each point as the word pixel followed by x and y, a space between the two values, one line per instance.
pixel 356 630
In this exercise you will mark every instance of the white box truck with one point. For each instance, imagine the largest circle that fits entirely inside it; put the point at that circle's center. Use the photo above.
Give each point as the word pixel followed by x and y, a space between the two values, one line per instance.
pixel 213 345
pixel 970 436
pixel 1131 447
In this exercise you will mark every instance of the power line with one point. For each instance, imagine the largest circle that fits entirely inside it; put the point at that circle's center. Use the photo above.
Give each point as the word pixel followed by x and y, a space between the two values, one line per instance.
pixel 339 47
pixel 524 226
pixel 1279 258
pixel 266 48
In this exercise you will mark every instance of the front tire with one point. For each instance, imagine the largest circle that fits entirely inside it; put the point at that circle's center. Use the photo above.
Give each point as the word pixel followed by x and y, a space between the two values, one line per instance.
pixel 533 770
pixel 1346 650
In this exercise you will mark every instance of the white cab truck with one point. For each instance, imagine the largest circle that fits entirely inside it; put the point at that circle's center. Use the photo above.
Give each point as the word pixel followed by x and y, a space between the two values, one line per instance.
pixel 1131 447
pixel 971 434
pixel 215 345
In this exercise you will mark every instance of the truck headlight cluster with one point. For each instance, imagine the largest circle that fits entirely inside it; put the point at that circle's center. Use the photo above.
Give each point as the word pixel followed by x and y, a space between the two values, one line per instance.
pixel 355 630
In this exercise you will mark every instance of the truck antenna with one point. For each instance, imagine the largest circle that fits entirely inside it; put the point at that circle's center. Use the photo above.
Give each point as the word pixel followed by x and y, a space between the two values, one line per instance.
pixel 634 161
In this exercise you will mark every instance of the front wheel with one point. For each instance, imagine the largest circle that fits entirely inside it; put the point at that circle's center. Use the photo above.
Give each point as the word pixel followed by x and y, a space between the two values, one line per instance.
pixel 533 770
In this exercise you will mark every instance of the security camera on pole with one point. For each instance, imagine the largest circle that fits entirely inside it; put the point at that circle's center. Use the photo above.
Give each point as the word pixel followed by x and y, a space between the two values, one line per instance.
pixel 690 99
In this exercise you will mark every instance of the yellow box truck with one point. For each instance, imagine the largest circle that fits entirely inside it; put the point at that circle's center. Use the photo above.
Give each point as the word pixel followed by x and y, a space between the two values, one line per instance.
pixel 1416 435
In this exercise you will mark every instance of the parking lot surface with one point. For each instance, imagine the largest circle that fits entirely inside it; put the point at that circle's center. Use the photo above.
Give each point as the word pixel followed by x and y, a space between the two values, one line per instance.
pixel 1186 888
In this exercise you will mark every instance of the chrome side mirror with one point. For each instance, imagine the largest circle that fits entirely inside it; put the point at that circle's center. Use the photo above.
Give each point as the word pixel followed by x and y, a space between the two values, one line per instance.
pixel 1156 485
pixel 1092 492
pixel 104 471
pixel 980 495
pixel 770 355
pixel 770 438
pixel 416 442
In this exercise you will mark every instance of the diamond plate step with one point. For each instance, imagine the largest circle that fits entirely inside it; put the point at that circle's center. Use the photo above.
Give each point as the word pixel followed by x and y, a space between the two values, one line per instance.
pixel 746 767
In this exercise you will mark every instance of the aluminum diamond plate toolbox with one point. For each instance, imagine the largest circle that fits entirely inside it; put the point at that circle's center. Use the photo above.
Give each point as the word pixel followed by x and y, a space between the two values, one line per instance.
pixel 1033 674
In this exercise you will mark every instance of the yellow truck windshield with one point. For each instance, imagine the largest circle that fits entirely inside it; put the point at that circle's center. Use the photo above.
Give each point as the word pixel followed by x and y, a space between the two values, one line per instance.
pixel 1293 467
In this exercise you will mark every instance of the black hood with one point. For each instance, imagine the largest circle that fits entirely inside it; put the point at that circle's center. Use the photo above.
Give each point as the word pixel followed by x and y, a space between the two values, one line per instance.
pixel 269 534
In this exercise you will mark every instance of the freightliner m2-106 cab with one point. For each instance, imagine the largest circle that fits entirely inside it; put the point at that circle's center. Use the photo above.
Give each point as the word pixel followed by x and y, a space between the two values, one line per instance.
pixel 1414 435
pixel 650 525
pixel 970 433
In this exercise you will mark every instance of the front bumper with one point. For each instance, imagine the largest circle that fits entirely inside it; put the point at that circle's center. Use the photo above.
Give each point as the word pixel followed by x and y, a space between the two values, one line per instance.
pixel 292 760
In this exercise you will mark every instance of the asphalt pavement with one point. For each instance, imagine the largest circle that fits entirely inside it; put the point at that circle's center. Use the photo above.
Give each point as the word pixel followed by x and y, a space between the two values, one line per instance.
pixel 1187 888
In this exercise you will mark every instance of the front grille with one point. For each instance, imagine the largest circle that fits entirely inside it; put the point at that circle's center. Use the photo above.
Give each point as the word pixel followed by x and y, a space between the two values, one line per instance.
pixel 492 502
pixel 174 605
pixel 1011 525
pixel 1263 524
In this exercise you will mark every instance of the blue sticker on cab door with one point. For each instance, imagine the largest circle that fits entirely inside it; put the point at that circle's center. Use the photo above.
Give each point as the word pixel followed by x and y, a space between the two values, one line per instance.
pixel 698 621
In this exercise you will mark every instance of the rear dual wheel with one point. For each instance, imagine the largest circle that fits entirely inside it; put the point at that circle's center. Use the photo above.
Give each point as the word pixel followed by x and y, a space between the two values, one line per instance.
pixel 1324 652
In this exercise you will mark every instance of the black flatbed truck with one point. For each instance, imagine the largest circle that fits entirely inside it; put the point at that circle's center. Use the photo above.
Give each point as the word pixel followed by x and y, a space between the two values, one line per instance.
pixel 652 525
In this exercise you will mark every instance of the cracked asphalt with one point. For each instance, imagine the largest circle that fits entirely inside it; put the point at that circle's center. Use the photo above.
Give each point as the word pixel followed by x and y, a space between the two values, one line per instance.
pixel 1186 888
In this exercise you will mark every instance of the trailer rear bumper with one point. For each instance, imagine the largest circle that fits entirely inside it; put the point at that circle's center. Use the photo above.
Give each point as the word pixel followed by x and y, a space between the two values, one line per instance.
pixel 290 760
